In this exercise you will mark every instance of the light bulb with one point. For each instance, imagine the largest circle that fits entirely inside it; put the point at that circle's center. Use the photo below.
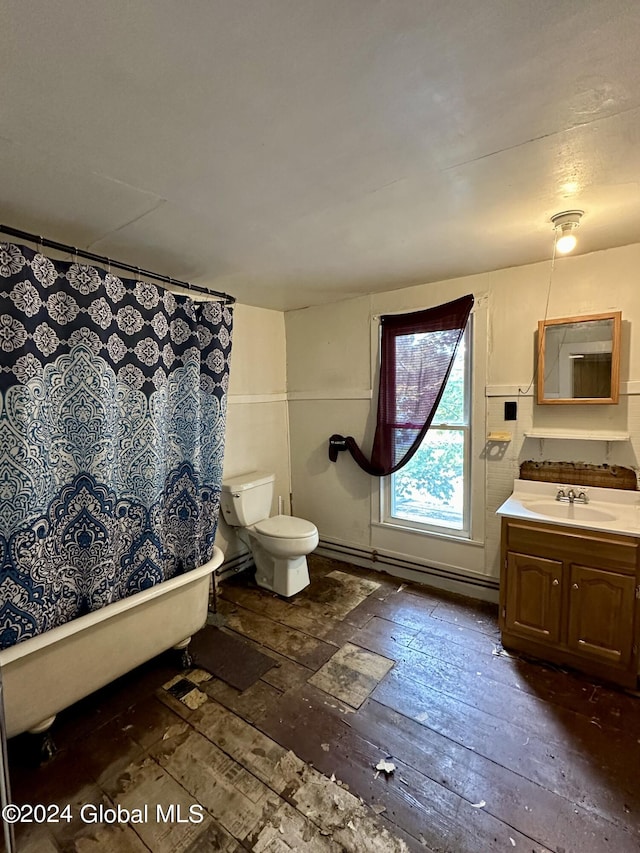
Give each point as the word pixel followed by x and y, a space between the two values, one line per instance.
pixel 565 224
pixel 566 243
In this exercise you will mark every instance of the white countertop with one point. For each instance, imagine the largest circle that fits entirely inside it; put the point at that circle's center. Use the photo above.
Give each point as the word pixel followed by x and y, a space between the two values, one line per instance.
pixel 608 510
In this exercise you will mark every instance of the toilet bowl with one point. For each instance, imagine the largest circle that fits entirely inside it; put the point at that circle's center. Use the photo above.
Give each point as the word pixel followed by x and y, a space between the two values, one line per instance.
pixel 279 544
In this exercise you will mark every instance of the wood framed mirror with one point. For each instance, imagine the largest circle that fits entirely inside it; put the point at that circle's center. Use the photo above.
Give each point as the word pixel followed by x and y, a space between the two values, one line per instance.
pixel 579 359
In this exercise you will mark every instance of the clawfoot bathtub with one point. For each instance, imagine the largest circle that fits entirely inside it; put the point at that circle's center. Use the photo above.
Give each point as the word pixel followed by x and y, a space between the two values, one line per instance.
pixel 47 673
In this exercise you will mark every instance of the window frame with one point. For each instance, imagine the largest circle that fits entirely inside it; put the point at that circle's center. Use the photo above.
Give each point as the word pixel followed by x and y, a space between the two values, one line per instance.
pixel 438 552
pixel 466 428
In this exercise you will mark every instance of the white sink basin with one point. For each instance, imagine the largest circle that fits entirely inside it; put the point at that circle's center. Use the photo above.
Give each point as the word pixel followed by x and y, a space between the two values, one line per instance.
pixel 613 510
pixel 568 511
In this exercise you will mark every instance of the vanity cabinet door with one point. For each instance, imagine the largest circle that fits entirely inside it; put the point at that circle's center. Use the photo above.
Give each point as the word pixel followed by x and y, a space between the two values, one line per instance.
pixel 601 608
pixel 533 604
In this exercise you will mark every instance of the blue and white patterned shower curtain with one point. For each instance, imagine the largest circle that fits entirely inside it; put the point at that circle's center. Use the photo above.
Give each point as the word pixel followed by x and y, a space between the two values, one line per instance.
pixel 112 422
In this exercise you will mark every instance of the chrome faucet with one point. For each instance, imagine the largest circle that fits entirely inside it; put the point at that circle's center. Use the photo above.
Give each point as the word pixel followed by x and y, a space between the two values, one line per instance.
pixel 571 497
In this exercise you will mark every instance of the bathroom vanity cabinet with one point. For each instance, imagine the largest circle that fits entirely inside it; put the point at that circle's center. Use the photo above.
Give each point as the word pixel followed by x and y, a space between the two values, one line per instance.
pixel 571 596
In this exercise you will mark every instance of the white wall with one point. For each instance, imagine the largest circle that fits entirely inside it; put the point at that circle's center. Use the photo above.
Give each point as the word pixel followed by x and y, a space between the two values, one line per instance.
pixel 329 385
pixel 257 434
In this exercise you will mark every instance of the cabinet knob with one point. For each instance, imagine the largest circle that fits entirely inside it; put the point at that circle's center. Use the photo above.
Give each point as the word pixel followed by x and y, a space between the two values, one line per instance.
pixel 575 586
pixel 555 582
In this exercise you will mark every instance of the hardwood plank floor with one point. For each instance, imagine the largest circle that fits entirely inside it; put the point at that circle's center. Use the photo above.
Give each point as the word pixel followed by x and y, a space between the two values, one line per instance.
pixel 491 752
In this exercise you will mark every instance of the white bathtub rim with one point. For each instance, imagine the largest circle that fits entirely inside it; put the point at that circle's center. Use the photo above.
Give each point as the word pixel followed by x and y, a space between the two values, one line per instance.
pixel 61 632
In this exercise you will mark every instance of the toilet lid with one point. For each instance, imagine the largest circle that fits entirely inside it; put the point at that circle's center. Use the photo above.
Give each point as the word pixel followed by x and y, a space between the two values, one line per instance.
pixel 285 527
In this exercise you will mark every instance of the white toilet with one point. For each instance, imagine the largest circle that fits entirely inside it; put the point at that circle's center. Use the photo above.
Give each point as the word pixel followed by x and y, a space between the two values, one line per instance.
pixel 279 544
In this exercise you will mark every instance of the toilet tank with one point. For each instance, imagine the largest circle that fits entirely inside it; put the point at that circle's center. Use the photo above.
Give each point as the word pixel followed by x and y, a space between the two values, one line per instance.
pixel 246 499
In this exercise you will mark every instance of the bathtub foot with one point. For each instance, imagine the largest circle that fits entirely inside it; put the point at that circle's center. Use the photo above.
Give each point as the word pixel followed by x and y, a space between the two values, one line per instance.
pixel 186 660
pixel 47 748
pixel 44 747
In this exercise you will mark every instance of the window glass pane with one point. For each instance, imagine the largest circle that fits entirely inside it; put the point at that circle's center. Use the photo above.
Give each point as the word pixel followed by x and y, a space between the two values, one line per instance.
pixel 421 361
pixel 431 491
pixel 402 441
pixel 452 405
pixel 430 488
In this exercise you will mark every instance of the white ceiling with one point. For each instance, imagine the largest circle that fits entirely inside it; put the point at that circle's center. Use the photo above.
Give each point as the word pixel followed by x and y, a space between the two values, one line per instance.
pixel 294 152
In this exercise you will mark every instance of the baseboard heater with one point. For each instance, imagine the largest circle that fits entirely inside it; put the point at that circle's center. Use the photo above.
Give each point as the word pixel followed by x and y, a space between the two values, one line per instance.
pixel 235 565
pixel 378 558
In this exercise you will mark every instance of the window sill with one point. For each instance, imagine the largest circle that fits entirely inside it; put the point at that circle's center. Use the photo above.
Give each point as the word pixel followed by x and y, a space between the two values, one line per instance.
pixel 432 534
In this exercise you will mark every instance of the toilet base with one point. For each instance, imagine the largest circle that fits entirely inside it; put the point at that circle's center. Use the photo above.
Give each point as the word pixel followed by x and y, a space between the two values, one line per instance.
pixel 285 577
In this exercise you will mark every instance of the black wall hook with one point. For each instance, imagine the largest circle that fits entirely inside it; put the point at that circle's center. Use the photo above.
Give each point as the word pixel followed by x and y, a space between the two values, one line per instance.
pixel 337 443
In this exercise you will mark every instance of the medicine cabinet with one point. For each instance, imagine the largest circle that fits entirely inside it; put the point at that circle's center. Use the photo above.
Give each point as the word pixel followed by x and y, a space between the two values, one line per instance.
pixel 579 359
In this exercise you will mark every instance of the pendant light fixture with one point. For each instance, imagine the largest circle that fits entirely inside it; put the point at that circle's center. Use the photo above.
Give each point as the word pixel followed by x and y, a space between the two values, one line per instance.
pixel 565 224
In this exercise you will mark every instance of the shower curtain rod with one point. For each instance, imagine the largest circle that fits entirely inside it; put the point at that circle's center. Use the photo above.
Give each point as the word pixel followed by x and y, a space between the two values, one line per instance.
pixel 102 259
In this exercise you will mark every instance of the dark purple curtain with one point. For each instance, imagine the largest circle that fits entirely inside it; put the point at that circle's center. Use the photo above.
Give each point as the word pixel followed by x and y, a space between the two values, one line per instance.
pixel 418 351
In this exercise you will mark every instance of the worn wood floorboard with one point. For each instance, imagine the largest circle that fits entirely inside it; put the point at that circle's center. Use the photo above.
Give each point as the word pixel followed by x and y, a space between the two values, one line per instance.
pixel 337 594
pixel 508 703
pixel 351 674
pixel 579 777
pixel 435 634
pixel 302 619
pixel 326 751
pixel 508 796
pixel 289 642
pixel 269 762
pixel 492 753
pixel 423 807
pixel 146 782
pixel 251 704
pixel 465 613
pixel 569 690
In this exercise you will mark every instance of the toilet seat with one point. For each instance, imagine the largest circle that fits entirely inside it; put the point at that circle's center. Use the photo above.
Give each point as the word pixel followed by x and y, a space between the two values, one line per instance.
pixel 285 527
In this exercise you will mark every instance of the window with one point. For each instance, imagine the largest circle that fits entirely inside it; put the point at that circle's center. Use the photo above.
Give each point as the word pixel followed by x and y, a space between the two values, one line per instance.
pixel 432 491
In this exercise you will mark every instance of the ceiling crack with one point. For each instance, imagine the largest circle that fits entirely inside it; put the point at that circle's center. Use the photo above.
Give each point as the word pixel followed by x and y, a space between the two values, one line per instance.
pixel 140 216
pixel 537 139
